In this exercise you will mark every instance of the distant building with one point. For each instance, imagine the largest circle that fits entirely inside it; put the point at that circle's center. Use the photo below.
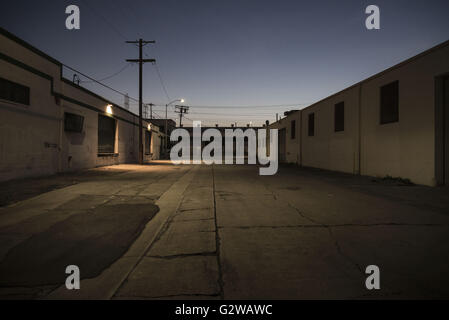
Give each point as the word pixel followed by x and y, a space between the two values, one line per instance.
pixel 49 124
pixel 223 132
pixel 395 123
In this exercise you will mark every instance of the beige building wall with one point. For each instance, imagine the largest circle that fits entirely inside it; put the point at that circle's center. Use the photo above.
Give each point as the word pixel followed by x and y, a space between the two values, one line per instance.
pixel 292 154
pixel 328 149
pixel 404 149
pixel 33 141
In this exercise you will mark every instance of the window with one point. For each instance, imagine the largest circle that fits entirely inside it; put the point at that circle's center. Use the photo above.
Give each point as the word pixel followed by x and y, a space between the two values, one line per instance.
pixel 339 117
pixel 106 134
pixel 389 103
pixel 14 92
pixel 147 142
pixel 73 122
pixel 311 127
pixel 293 129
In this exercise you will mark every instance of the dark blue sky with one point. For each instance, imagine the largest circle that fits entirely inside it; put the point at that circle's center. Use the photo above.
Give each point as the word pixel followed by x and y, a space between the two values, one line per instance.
pixel 231 53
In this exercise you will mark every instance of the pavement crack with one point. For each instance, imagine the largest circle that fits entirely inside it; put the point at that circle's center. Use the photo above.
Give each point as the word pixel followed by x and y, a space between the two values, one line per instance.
pixel 332 237
pixel 178 295
pixel 184 255
pixel 194 209
pixel 303 215
pixel 320 226
pixel 187 219
pixel 341 253
pixel 217 241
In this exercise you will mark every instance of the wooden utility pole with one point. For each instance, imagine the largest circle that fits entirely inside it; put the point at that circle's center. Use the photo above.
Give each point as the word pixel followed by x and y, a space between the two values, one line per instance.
pixel 141 61
pixel 181 110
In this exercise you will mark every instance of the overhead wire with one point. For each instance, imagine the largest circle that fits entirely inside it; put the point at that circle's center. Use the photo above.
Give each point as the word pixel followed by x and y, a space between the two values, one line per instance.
pixel 113 28
pixel 113 75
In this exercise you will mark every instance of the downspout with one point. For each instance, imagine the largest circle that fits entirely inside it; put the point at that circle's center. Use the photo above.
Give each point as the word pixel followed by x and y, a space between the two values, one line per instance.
pixel 359 151
pixel 300 138
pixel 61 121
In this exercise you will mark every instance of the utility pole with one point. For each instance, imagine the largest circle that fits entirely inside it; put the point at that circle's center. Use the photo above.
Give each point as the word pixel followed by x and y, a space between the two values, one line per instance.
pixel 181 110
pixel 141 61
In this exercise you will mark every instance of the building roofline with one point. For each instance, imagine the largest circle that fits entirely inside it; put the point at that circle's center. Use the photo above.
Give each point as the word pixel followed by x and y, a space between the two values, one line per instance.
pixel 396 66
pixel 71 83
pixel 30 47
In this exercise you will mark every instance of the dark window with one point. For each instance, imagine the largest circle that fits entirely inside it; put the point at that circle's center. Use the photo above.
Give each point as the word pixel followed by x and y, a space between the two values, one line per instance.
pixel 293 129
pixel 311 124
pixel 389 103
pixel 147 142
pixel 14 92
pixel 106 134
pixel 73 122
pixel 339 117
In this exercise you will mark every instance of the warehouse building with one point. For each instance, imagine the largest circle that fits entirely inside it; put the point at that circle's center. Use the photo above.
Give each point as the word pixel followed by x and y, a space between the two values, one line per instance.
pixel 395 123
pixel 49 124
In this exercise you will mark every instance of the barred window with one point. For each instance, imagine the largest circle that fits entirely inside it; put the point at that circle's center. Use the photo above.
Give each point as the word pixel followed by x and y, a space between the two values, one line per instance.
pixel 14 92
pixel 148 142
pixel 73 122
pixel 106 134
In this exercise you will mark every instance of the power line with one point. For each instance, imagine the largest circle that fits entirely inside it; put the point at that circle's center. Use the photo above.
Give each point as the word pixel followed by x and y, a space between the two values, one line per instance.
pixel 100 83
pixel 164 88
pixel 105 20
pixel 97 81
pixel 162 81
pixel 286 105
pixel 113 75
pixel 181 110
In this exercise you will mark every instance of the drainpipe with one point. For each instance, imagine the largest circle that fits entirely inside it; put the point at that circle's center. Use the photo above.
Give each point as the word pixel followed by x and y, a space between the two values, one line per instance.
pixel 359 151
pixel 61 129
pixel 300 138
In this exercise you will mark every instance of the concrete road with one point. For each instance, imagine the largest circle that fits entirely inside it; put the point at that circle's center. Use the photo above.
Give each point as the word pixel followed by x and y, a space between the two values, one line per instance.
pixel 224 232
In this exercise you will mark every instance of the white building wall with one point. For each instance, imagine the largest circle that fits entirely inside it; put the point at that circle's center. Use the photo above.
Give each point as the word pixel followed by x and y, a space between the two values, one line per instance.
pixel 29 134
pixel 32 137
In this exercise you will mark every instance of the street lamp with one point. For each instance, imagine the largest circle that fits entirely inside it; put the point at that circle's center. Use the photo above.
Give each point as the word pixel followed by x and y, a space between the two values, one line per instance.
pixel 166 120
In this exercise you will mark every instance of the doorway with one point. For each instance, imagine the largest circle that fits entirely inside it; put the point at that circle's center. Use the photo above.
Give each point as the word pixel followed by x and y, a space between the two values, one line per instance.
pixel 281 145
pixel 442 130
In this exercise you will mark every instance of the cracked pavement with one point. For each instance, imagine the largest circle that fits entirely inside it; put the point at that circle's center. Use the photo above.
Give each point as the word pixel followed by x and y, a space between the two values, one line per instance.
pixel 224 232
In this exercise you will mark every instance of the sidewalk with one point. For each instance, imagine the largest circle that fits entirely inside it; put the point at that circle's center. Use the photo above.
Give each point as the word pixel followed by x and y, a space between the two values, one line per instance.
pixel 90 224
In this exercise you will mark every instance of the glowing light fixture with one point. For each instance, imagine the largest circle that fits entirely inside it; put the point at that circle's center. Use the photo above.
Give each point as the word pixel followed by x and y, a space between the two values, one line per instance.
pixel 149 126
pixel 109 109
pixel 182 101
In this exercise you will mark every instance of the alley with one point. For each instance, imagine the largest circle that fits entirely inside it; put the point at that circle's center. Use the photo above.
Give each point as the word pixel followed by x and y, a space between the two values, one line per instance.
pixel 224 232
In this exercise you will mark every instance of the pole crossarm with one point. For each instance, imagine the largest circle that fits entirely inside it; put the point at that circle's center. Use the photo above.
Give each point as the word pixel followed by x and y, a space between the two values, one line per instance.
pixel 143 42
pixel 143 60
pixel 181 110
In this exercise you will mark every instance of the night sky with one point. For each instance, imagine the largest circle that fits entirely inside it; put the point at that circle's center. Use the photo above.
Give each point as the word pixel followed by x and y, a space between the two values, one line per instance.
pixel 230 56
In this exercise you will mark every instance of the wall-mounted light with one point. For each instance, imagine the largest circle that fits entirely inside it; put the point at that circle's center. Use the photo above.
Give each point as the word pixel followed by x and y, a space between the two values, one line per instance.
pixel 109 109
pixel 149 127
